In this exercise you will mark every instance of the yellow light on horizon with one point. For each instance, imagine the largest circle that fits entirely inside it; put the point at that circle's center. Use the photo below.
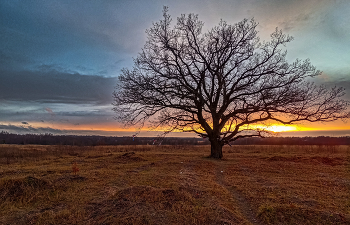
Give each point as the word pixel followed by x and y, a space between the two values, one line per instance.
pixel 273 127
pixel 110 127
pixel 281 128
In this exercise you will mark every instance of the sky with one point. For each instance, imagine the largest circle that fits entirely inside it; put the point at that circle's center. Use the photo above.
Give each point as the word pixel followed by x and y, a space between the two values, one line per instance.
pixel 60 59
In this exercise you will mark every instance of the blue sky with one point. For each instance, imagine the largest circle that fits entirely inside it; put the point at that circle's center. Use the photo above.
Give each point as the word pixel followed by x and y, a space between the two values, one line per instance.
pixel 59 59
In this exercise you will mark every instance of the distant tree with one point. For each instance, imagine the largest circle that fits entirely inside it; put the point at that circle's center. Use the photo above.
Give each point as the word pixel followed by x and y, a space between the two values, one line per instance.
pixel 218 83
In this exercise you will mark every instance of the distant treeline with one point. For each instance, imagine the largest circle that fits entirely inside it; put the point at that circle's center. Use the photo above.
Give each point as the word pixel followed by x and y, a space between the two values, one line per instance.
pixel 320 140
pixel 50 139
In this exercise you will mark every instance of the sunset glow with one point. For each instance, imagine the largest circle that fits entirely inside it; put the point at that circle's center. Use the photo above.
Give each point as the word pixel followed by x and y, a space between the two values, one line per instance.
pixel 273 127
pixel 281 128
pixel 111 128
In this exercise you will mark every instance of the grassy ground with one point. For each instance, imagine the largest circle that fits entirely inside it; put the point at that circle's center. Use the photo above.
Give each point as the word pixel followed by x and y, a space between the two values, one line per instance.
pixel 174 185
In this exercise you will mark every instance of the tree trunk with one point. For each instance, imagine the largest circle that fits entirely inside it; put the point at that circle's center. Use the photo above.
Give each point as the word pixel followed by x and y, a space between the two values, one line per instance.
pixel 216 149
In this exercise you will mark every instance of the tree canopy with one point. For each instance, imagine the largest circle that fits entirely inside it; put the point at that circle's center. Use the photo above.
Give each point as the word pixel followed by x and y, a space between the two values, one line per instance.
pixel 220 82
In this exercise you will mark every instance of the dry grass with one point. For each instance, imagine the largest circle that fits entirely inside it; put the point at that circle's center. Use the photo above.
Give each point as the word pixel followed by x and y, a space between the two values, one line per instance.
pixel 174 185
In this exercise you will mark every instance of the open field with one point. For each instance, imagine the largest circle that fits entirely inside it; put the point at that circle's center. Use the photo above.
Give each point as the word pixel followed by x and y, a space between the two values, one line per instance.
pixel 174 185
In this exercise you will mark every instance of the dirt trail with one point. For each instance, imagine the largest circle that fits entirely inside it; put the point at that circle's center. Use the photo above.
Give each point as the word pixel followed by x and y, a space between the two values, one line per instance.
pixel 246 209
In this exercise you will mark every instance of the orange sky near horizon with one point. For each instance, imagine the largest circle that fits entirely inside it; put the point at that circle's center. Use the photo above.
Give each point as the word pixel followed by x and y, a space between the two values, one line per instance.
pixel 113 126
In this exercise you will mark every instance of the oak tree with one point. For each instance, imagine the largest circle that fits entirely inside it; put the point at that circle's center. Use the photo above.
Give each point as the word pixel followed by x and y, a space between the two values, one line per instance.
pixel 221 82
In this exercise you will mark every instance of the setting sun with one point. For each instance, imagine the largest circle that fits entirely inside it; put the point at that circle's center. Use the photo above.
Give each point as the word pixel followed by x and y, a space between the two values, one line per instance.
pixel 281 128
pixel 273 127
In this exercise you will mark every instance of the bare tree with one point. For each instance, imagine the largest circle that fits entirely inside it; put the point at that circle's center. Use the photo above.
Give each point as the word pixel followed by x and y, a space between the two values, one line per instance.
pixel 218 83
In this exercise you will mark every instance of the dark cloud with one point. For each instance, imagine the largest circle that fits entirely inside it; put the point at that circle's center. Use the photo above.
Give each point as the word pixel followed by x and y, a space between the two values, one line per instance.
pixel 29 129
pixel 51 113
pixel 338 78
pixel 345 84
pixel 42 130
pixel 95 34
pixel 13 61
pixel 54 86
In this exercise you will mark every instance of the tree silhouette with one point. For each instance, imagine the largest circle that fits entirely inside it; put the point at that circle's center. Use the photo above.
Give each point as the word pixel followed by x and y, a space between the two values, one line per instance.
pixel 218 83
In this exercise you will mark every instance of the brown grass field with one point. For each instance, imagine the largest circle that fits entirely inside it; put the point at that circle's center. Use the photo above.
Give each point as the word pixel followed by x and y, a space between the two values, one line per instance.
pixel 174 185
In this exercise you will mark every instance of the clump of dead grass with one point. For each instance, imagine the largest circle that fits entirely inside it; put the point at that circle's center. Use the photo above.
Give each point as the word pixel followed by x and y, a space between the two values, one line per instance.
pixel 294 214
pixel 129 157
pixel 149 205
pixel 24 190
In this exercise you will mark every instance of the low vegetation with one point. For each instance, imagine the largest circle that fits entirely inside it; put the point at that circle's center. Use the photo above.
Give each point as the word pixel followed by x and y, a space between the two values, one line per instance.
pixel 174 185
